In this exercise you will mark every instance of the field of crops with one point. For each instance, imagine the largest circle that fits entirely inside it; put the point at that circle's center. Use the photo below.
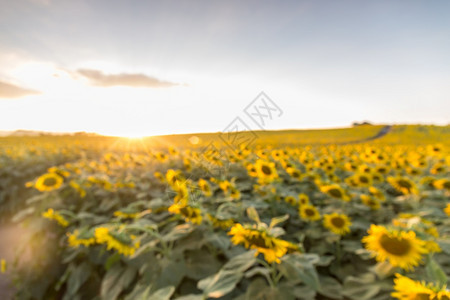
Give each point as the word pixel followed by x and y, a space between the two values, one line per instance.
pixel 293 215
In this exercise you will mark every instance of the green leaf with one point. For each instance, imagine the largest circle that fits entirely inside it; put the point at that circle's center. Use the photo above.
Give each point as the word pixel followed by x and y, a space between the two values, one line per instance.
pixel 277 220
pixel 384 270
pixel 178 232
pixel 201 264
pixel 363 287
pixel 77 277
pixel 253 214
pixel 112 259
pixel 435 272
pixel 219 284
pixel 116 280
pixel 191 297
pixel 162 294
pixel 300 268
pixel 241 262
pixel 330 287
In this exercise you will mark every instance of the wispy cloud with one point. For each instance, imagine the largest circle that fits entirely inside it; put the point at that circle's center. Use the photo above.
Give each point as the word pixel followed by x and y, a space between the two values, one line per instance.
pixel 8 91
pixel 99 78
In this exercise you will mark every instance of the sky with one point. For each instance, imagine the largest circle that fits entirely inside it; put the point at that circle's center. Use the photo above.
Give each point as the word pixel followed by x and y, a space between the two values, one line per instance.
pixel 134 68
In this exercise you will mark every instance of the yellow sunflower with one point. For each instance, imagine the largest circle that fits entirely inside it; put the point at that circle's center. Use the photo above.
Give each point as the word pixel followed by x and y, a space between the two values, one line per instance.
pixel 205 187
pixel 122 243
pixel 337 223
pixel 363 179
pixel 219 223
pixel 76 239
pixel 447 209
pixel 377 193
pixel 335 191
pixel 402 248
pixel 403 185
pixel 408 289
pixel 294 173
pixel 290 200
pixel 190 214
pixel 271 247
pixel 370 201
pixel 303 199
pixel 53 215
pixel 309 213
pixel 49 182
pixel 442 184
pixel 438 168
pixel 266 170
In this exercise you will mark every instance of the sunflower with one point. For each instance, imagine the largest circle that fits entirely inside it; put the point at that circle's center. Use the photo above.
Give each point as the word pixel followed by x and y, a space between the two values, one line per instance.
pixel 271 247
pixel 370 201
pixel 78 188
pixel 266 170
pixel 335 191
pixel 403 185
pixel 2 266
pixel 447 209
pixel 363 179
pixel 205 187
pixel 290 200
pixel 160 177
pixel 49 182
pixel 190 214
pixel 122 243
pixel 309 213
pixel 174 176
pixel 337 223
pixel 251 170
pixel 408 289
pixel 219 223
pixel 377 193
pixel 402 248
pixel 294 173
pixel 53 215
pixel 438 168
pixel 303 199
pixel 76 239
pixel 383 169
pixel 442 184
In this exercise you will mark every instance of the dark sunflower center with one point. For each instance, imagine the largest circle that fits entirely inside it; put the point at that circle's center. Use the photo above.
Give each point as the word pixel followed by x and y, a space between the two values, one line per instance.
pixel 266 170
pixel 257 240
pixel 335 193
pixel 338 222
pixel 310 212
pixel 422 296
pixel 404 183
pixel 394 245
pixel 364 179
pixel 49 181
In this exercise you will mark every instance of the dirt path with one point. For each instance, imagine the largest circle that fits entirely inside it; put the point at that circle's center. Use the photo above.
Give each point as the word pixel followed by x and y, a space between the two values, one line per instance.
pixel 385 130
pixel 10 235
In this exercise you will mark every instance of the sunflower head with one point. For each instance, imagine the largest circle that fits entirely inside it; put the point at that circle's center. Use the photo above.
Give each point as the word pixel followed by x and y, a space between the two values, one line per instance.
pixel 401 248
pixel 403 185
pixel 266 170
pixel 49 182
pixel 337 223
pixel 309 213
pixel 303 199
pixel 335 191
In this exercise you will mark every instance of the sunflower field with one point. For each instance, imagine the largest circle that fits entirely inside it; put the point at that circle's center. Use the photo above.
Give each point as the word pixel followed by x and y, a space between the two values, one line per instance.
pixel 111 218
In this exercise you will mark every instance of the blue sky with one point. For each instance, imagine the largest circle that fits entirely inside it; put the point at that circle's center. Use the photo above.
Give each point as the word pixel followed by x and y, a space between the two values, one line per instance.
pixel 147 67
